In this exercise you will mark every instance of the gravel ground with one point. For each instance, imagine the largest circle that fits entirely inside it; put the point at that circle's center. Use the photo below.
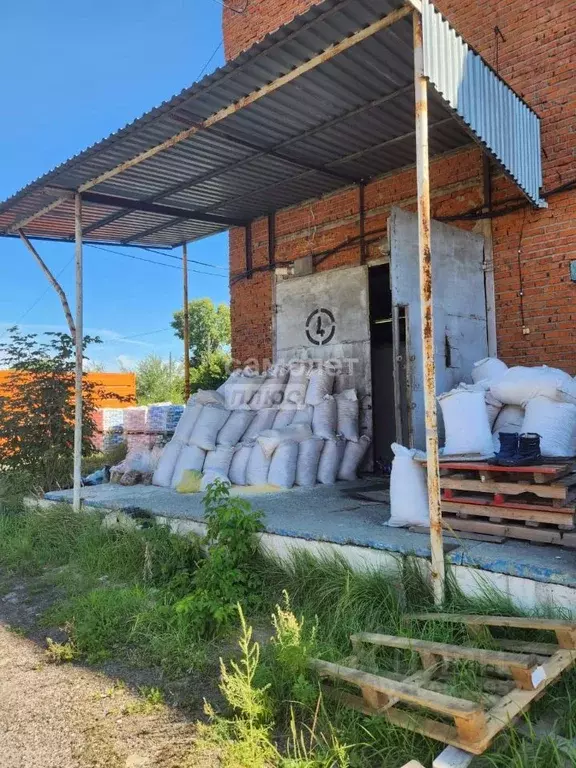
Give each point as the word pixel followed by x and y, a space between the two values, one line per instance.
pixel 70 716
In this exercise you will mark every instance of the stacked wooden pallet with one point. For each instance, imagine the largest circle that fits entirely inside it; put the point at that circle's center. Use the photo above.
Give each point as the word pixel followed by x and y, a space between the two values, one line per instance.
pixel 517 672
pixel 531 503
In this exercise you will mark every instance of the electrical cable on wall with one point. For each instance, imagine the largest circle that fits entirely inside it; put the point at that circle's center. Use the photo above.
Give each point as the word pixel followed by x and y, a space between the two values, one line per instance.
pixel 229 7
pixel 520 275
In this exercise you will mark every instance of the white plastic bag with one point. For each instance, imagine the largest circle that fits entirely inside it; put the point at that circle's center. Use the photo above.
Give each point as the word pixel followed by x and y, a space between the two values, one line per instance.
pixel 139 460
pixel 187 421
pixel 282 470
pixel 262 421
pixel 493 406
pixel 348 409
pixel 325 418
pixel 284 417
pixel 353 455
pixel 408 490
pixel 308 460
pixel 190 457
pixel 207 397
pixel 520 384
pixel 237 471
pixel 466 423
pixel 240 390
pixel 304 415
pixel 271 390
pixel 166 464
pixel 490 368
pixel 219 460
pixel 295 391
pixel 257 467
pixel 235 426
pixel 320 384
pixel 270 439
pixel 510 419
pixel 210 477
pixel 330 460
pixel 210 421
pixel 555 423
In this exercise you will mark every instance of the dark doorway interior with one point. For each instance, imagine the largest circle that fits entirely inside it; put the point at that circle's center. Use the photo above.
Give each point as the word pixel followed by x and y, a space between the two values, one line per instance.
pixel 382 355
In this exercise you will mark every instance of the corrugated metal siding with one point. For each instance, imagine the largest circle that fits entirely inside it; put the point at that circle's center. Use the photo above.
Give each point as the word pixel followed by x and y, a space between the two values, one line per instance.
pixel 498 118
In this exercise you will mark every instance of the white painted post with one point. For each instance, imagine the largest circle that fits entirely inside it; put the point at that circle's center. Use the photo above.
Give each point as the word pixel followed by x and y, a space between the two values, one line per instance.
pixel 79 355
pixel 426 305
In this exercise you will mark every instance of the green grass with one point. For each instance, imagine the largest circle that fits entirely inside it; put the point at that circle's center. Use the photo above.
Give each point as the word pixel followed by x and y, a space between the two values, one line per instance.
pixel 119 589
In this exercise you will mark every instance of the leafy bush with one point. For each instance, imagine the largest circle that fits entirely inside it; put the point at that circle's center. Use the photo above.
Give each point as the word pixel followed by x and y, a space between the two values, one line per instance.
pixel 227 576
pixel 210 372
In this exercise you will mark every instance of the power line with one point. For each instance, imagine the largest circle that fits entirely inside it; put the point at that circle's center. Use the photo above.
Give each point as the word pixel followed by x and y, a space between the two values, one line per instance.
pixel 239 11
pixel 151 261
pixel 179 258
pixel 205 67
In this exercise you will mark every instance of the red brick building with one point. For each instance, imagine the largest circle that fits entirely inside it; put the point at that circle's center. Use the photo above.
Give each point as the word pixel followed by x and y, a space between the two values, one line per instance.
pixel 532 45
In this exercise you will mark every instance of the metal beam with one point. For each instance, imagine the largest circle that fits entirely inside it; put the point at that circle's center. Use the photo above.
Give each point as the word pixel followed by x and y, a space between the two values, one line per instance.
pixel 427 314
pixel 162 210
pixel 79 342
pixel 209 175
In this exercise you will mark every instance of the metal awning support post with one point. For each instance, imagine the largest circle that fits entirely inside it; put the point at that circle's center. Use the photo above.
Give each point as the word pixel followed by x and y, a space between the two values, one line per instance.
pixel 79 354
pixel 425 263
pixel 186 310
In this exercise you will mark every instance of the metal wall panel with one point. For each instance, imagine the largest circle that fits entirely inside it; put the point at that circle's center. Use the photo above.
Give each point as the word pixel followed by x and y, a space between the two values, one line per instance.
pixel 496 116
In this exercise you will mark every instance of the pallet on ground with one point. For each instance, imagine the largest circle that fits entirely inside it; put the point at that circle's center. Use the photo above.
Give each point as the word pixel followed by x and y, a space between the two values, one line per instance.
pixel 498 489
pixel 543 534
pixel 537 474
pixel 532 667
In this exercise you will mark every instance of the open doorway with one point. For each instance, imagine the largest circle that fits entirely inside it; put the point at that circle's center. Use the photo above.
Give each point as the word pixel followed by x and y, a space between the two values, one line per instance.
pixel 388 360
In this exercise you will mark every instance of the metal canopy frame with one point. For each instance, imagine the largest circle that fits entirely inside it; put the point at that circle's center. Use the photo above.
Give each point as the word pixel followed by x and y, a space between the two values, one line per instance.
pixel 322 103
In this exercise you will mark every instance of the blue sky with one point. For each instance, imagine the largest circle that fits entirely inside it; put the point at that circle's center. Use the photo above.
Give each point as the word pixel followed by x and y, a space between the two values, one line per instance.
pixel 73 73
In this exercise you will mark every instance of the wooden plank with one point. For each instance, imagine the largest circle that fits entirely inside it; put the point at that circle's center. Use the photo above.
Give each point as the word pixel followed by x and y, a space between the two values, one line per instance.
pixel 525 646
pixel 433 729
pixel 538 513
pixel 514 622
pixel 495 658
pixel 549 491
pixel 406 692
pixel 550 470
pixel 539 535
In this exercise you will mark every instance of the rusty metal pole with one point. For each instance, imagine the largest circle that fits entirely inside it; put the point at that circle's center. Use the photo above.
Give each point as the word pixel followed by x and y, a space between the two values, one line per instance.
pixel 425 264
pixel 79 355
pixel 186 310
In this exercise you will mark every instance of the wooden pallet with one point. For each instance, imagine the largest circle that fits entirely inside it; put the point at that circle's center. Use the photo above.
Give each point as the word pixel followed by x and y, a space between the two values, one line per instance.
pixel 538 474
pixel 531 667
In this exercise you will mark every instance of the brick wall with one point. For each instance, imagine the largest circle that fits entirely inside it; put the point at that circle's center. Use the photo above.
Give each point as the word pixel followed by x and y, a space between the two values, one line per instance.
pixel 537 58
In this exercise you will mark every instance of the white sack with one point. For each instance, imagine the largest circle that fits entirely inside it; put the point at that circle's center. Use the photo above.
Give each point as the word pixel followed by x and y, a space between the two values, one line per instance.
pixel 187 421
pixel 320 384
pixel 490 368
pixel 348 409
pixel 282 470
pixel 262 421
pixel 330 460
pixel 284 417
pixel 297 385
pixel 190 457
pixel 408 490
pixel 257 467
pixel 465 423
pixel 237 472
pixel 308 459
pixel 219 460
pixel 520 384
pixel 304 415
pixel 139 460
pixel 222 388
pixel 240 390
pixel 555 423
pixel 209 477
pixel 325 418
pixel 270 439
pixel 493 405
pixel 207 397
pixel 271 390
pixel 208 424
pixel 155 454
pixel 353 455
pixel 235 426
pixel 510 419
pixel 166 463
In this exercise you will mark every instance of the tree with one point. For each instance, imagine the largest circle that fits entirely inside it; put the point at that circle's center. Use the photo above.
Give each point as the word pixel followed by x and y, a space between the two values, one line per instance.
pixel 209 327
pixel 37 406
pixel 159 381
pixel 210 372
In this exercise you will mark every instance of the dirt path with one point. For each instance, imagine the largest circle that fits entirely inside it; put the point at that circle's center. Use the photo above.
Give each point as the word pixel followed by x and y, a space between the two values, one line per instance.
pixel 70 716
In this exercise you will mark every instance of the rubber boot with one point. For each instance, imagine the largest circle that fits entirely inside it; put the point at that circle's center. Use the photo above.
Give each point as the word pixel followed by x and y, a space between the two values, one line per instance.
pixel 529 453
pixel 507 455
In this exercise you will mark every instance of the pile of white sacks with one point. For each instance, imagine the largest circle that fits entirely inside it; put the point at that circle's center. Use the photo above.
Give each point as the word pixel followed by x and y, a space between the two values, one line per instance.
pixel 283 428
pixel 519 399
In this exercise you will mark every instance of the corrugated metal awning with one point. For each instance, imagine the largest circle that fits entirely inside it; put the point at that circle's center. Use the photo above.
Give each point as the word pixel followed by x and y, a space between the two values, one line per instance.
pixel 269 130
